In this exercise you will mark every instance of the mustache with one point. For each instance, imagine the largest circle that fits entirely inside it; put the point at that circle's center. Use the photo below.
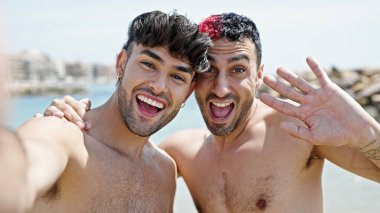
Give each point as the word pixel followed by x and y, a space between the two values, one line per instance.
pixel 228 96
pixel 151 92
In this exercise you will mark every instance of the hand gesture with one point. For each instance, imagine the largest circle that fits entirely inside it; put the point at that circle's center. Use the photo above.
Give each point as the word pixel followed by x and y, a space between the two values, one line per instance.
pixel 330 115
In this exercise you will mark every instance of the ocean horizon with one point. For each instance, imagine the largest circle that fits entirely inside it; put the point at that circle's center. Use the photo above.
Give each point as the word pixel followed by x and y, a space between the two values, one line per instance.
pixel 342 191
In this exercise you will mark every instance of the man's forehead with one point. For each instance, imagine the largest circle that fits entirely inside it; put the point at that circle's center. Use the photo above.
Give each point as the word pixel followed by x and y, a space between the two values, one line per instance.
pixel 162 51
pixel 225 48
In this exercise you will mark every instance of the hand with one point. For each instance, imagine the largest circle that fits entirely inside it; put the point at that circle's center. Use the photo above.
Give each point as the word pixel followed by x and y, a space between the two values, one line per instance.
pixel 70 109
pixel 331 116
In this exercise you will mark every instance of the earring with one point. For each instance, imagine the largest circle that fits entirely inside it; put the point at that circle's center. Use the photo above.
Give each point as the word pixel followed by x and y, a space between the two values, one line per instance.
pixel 183 105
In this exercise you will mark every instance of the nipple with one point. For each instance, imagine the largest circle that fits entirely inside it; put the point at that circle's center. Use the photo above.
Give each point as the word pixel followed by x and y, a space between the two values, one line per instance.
pixel 261 203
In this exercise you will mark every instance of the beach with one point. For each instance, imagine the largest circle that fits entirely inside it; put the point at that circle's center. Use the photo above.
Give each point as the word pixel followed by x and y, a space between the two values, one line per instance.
pixel 343 192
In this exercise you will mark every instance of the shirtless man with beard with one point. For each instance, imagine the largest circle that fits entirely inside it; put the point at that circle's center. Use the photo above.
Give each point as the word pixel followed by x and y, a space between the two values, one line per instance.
pixel 266 155
pixel 114 167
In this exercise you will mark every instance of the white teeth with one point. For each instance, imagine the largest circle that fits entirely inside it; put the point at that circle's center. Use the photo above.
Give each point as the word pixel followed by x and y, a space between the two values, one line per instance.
pixel 150 101
pixel 221 104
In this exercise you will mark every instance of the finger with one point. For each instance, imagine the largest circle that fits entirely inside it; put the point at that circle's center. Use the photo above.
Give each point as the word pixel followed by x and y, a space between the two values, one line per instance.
pixel 86 102
pixel 77 106
pixel 296 130
pixel 318 71
pixel 72 116
pixel 63 110
pixel 283 89
pixel 295 80
pixel 282 106
pixel 55 108
pixel 53 111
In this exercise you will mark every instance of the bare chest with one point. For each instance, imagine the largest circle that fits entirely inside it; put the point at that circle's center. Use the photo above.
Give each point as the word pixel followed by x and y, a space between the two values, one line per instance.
pixel 253 180
pixel 111 183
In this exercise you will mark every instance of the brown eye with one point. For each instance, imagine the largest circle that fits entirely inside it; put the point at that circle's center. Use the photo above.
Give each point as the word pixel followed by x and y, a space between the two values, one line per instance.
pixel 147 64
pixel 210 70
pixel 179 78
pixel 238 70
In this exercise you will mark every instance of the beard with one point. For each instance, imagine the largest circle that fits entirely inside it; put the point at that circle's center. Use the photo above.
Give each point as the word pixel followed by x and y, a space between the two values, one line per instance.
pixel 223 129
pixel 138 124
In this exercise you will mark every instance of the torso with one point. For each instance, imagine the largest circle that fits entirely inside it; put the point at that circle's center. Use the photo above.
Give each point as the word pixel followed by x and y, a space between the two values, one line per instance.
pixel 105 180
pixel 268 171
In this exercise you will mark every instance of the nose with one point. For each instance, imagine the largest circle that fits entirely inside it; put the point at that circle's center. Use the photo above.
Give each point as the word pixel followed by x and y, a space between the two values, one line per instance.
pixel 158 84
pixel 221 85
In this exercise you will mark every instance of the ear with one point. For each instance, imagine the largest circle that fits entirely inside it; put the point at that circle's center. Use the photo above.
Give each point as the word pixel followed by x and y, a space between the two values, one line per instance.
pixel 120 63
pixel 191 89
pixel 259 76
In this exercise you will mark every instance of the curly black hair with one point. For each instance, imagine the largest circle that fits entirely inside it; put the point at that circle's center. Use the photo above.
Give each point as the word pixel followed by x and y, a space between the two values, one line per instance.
pixel 174 31
pixel 233 27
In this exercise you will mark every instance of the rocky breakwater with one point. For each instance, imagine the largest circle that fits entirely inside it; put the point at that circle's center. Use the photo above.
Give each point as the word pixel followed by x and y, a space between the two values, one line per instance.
pixel 362 84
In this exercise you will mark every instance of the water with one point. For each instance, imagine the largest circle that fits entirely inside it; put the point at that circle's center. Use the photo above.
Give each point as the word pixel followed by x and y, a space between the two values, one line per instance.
pixel 343 191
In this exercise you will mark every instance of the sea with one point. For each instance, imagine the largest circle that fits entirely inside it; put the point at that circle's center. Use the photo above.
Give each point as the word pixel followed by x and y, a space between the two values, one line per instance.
pixel 344 192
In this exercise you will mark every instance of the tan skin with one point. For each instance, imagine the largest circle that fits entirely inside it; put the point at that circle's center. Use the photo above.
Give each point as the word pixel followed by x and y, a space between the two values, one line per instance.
pixel 110 168
pixel 272 158
pixel 12 154
pixel 258 166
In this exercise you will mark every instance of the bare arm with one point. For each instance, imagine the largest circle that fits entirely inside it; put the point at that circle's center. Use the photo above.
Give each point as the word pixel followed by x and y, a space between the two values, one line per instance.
pixel 49 144
pixel 13 164
pixel 340 128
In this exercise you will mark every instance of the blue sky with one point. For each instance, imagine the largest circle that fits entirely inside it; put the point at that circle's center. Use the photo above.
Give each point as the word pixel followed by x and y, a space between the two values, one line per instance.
pixel 341 33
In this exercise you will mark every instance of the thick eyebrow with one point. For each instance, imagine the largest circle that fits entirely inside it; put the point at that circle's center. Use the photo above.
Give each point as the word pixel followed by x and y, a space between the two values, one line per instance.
pixel 158 58
pixel 232 59
pixel 152 55
pixel 184 69
pixel 238 58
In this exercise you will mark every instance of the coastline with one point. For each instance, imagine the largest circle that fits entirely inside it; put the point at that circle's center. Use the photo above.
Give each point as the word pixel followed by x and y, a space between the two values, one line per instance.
pixel 46 88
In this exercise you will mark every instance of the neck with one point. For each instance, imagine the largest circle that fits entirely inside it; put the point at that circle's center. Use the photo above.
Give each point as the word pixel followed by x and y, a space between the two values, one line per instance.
pixel 108 128
pixel 235 139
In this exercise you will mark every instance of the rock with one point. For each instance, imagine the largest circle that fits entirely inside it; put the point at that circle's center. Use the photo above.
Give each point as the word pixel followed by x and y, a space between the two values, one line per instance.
pixel 361 84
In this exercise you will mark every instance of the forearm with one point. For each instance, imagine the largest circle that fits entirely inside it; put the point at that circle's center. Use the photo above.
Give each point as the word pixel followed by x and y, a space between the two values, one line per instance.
pixel 370 146
pixel 14 193
pixel 44 141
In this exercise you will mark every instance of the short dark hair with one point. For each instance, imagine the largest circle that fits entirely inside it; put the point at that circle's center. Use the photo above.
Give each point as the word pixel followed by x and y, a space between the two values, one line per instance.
pixel 174 31
pixel 233 27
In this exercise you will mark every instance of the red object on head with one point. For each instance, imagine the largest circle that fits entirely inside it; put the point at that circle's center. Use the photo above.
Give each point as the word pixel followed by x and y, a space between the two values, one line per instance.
pixel 211 26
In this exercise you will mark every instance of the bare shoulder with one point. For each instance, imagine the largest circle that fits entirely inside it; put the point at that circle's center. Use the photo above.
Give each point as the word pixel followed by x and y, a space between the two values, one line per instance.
pixel 52 131
pixel 165 162
pixel 163 156
pixel 48 125
pixel 184 139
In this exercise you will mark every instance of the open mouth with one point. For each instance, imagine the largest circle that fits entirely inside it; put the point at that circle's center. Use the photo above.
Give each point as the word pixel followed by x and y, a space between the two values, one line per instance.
pixel 221 110
pixel 149 106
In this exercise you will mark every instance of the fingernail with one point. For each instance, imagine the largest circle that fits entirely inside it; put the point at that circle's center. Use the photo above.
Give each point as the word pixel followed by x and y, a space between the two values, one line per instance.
pixel 80 124
pixel 88 124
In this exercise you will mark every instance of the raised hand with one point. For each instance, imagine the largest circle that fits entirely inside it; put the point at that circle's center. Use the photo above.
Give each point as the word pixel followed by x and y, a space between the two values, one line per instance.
pixel 330 115
pixel 70 109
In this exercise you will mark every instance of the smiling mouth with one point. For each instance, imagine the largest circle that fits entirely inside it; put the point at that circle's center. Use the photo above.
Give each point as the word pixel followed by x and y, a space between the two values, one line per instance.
pixel 221 110
pixel 149 106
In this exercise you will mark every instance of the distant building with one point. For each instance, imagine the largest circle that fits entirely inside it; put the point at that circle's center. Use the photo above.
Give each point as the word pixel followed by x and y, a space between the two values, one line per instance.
pixel 35 67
